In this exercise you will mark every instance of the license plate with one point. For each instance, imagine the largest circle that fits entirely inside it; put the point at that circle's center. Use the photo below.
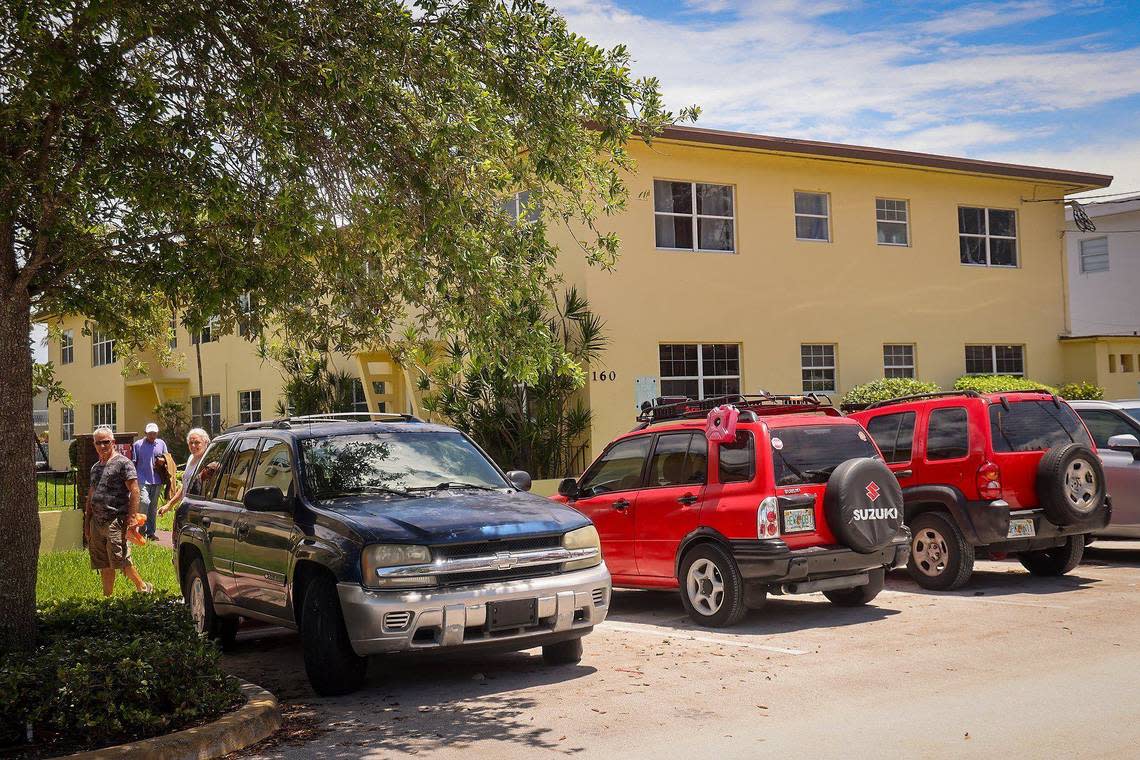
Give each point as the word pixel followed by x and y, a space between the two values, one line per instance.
pixel 1021 529
pixel 799 520
pixel 517 613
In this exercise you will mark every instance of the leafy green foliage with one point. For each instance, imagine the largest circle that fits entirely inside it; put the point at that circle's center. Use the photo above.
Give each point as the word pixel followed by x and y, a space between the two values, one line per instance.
pixel 45 381
pixel 107 672
pixel 998 384
pixel 887 388
pixel 173 420
pixel 1081 391
pixel 541 426
pixel 312 385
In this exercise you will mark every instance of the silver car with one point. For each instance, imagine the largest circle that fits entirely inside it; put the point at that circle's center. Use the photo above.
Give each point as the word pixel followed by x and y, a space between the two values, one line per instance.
pixel 1115 427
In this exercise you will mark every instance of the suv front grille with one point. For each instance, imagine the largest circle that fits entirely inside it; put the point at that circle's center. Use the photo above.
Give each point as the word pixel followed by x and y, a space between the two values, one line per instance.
pixel 490 549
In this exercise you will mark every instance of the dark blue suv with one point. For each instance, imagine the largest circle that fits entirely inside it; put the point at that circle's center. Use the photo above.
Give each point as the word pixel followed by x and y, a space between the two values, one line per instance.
pixel 381 533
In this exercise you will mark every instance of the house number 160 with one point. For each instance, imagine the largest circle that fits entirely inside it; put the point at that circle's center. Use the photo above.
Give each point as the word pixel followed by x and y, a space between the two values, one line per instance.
pixel 604 376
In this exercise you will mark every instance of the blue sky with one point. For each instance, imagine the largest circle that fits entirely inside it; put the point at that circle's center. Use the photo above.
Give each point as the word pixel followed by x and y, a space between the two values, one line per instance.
pixel 1034 81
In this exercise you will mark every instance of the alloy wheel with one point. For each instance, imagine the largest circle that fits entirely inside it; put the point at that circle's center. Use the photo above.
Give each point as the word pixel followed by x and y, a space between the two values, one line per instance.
pixel 705 586
pixel 929 550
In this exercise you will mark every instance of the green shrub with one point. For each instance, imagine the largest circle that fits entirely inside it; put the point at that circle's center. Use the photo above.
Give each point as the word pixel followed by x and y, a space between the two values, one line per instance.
pixel 999 384
pixel 73 452
pixel 1083 391
pixel 111 671
pixel 887 388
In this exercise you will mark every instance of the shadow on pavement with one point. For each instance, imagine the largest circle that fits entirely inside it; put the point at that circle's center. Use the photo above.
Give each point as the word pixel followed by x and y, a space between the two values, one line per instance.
pixel 1106 553
pixel 988 580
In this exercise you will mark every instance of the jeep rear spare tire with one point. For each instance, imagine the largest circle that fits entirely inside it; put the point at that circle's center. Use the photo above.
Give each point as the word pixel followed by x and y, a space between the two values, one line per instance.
pixel 1070 483
pixel 863 504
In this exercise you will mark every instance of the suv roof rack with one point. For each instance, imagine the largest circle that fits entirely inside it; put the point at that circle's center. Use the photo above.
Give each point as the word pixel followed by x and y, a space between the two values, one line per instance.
pixel 665 408
pixel 285 423
pixel 920 397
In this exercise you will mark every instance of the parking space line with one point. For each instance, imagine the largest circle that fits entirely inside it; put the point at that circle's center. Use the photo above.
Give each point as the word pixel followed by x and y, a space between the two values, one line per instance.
pixel 972 598
pixel 649 630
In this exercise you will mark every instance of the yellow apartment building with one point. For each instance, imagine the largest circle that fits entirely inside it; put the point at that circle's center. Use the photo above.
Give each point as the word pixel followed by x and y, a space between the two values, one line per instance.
pixel 748 262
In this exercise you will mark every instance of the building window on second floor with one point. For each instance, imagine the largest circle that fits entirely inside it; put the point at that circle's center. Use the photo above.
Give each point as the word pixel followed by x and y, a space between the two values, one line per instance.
pixel 813 217
pixel 67 347
pixel 1094 255
pixel 995 360
pixel 66 424
pixel 102 349
pixel 694 216
pixel 699 370
pixel 206 413
pixel 207 334
pixel 892 221
pixel 359 398
pixel 173 331
pixel 898 360
pixel 1126 363
pixel 520 207
pixel 249 406
pixel 817 366
pixel 104 414
pixel 987 236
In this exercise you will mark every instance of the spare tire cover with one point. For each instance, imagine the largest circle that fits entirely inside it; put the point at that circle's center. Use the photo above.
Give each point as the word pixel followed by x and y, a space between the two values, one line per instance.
pixel 863 504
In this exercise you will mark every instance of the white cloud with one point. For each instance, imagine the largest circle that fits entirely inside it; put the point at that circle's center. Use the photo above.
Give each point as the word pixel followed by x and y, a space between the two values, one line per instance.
pixel 983 16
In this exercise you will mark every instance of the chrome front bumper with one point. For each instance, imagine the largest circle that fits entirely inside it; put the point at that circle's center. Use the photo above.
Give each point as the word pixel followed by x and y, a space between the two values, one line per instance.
pixel 390 621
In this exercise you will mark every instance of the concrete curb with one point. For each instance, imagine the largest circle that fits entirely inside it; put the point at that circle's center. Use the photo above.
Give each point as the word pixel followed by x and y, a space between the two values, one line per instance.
pixel 249 724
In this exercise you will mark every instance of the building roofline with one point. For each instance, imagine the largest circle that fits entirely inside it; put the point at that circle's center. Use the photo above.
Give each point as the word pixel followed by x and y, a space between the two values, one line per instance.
pixel 1100 336
pixel 1078 180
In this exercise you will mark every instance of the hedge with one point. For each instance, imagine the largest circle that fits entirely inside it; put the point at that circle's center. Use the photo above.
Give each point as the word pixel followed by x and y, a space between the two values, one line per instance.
pixel 1082 391
pixel 886 388
pixel 999 384
pixel 110 671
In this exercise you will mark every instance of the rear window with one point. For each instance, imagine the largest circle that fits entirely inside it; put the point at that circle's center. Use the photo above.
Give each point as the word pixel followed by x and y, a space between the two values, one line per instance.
pixel 1034 426
pixel 809 454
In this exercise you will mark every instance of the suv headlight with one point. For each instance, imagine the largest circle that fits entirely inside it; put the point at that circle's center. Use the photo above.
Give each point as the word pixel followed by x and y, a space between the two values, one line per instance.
pixel 383 556
pixel 583 538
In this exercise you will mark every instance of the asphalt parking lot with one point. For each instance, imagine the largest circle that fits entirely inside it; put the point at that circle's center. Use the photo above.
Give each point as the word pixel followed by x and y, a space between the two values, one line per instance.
pixel 1011 664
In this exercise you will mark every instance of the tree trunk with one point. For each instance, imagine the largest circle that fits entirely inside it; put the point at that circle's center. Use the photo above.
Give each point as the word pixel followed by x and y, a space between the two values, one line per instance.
pixel 18 504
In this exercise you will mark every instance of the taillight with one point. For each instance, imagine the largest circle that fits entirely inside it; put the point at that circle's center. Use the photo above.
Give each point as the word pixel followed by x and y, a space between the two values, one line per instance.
pixel 768 519
pixel 989 481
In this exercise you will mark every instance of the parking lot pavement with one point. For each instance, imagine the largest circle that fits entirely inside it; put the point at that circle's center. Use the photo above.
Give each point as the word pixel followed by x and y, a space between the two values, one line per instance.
pixel 1011 664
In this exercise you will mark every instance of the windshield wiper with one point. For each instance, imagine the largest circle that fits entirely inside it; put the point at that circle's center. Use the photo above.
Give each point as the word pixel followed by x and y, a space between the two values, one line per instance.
pixel 449 484
pixel 790 466
pixel 824 471
pixel 366 490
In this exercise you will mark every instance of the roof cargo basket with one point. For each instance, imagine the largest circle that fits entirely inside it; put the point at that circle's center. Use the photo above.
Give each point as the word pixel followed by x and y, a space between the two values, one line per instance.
pixel 664 408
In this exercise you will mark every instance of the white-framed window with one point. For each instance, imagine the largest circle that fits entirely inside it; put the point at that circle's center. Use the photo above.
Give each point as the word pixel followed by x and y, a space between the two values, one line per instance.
pixel 206 413
pixel 245 314
pixel 249 406
pixel 67 347
pixel 995 360
pixel 987 237
pixel 104 414
pixel 102 349
pixel 898 360
pixel 1094 255
pixel 520 207
pixel 173 331
pixel 694 216
pixel 892 222
pixel 817 367
pixel 66 424
pixel 699 370
pixel 359 398
pixel 207 334
pixel 813 216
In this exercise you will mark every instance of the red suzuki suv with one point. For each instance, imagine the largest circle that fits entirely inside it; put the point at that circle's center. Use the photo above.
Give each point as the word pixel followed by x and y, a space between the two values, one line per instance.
pixel 798 500
pixel 1000 473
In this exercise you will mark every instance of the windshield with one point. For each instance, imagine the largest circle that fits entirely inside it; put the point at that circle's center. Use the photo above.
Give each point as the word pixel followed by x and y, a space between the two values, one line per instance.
pixel 809 454
pixel 1133 412
pixel 1034 426
pixel 394 464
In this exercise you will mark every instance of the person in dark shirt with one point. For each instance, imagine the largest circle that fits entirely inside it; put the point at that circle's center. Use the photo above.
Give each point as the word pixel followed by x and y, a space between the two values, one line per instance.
pixel 112 504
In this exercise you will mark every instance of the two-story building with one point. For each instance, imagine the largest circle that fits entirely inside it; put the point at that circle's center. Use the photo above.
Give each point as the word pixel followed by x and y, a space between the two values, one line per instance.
pixel 748 262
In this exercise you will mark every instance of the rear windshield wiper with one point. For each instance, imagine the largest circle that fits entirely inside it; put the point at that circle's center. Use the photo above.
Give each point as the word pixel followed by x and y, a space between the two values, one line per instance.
pixel 825 472
pixel 790 466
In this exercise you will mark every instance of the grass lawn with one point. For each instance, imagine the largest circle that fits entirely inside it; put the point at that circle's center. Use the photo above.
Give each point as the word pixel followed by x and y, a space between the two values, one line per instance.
pixel 64 575
pixel 55 494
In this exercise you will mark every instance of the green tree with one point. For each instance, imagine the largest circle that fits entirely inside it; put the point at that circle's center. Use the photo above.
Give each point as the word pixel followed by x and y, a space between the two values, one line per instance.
pixel 343 161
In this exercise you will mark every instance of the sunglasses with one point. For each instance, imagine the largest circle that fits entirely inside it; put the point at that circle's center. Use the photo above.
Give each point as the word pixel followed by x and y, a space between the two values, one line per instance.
pixel 104 443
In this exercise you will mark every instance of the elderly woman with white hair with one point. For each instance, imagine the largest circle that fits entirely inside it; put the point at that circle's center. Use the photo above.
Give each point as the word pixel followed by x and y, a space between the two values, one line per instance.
pixel 198 440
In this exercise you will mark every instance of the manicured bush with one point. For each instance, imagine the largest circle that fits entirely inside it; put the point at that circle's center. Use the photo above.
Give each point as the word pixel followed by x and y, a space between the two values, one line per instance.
pixel 1082 391
pixel 999 384
pixel 110 671
pixel 886 388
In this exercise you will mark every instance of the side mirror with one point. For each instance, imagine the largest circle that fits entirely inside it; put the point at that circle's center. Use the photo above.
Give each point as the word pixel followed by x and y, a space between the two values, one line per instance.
pixel 264 499
pixel 520 479
pixel 568 488
pixel 1126 442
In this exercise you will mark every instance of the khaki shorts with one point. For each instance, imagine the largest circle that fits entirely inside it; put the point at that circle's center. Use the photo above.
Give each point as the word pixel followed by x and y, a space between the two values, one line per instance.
pixel 107 543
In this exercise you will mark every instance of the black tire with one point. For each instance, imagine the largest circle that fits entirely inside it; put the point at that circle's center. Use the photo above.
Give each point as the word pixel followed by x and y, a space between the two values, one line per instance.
pixel 331 664
pixel 949 561
pixel 860 595
pixel 1056 561
pixel 221 629
pixel 1070 484
pixel 563 653
pixel 863 504
pixel 712 609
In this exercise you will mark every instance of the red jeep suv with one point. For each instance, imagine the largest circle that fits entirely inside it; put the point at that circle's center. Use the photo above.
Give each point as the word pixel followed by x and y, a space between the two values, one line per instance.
pixel 1004 473
pixel 798 500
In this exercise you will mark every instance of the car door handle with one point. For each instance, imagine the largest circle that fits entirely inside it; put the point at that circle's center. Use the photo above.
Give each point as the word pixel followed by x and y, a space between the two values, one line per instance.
pixel 621 505
pixel 242 530
pixel 904 474
pixel 687 499
pixel 206 522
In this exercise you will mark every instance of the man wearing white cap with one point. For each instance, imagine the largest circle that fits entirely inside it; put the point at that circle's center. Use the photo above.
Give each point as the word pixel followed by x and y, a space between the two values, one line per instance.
pixel 146 449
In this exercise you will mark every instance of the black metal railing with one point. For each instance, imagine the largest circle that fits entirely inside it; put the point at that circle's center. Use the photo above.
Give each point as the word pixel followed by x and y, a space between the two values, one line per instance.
pixel 57 489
